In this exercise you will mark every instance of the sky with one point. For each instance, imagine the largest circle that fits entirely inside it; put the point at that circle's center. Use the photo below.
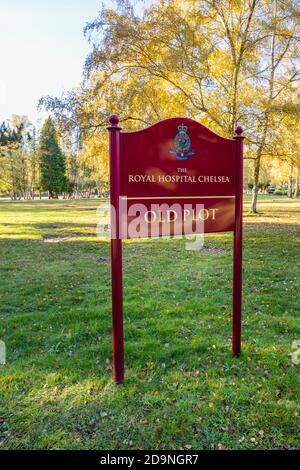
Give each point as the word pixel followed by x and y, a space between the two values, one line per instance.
pixel 42 51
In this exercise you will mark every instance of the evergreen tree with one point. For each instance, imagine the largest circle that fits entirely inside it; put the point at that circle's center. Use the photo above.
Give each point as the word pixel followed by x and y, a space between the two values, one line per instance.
pixel 52 161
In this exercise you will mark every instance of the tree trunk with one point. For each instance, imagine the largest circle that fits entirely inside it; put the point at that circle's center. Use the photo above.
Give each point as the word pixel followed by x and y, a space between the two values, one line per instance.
pixel 290 182
pixel 255 188
pixel 265 128
pixel 296 184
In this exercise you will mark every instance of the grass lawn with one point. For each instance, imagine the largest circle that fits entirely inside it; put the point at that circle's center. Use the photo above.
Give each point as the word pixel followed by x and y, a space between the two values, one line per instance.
pixel 183 389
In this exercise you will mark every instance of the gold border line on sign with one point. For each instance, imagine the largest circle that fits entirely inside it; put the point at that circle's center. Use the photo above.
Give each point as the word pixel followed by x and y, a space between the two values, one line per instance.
pixel 178 197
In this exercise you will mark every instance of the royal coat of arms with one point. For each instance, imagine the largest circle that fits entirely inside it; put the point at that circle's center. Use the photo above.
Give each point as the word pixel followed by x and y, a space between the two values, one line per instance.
pixel 182 144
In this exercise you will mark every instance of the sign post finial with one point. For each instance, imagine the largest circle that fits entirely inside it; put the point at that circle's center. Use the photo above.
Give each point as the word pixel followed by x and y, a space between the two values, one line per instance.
pixel 114 120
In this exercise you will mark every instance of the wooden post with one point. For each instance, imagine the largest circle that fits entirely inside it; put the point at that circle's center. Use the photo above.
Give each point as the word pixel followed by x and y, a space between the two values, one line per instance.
pixel 238 246
pixel 116 252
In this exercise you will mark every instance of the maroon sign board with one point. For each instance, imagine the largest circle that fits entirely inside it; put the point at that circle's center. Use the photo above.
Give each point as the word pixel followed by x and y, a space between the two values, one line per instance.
pixel 163 181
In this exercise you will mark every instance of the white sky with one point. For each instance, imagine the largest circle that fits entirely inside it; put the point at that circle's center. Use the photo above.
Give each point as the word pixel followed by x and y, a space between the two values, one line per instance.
pixel 42 50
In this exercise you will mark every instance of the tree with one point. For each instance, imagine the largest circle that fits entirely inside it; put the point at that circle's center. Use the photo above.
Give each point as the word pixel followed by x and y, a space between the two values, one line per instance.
pixel 277 78
pixel 220 62
pixel 34 164
pixel 14 138
pixel 52 161
pixel 94 156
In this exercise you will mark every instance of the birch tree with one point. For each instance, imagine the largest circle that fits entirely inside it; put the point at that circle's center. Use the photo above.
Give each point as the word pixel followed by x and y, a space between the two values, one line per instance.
pixel 222 63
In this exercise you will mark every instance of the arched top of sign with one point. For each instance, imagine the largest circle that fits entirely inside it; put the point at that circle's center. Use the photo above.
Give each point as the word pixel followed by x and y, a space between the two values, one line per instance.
pixel 176 157
pixel 187 122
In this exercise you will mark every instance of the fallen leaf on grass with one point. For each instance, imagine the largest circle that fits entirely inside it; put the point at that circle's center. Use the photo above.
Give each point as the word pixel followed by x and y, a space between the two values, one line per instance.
pixel 170 401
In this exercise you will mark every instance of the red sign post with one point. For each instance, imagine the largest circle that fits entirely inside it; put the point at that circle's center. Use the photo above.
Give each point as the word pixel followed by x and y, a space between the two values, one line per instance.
pixel 174 178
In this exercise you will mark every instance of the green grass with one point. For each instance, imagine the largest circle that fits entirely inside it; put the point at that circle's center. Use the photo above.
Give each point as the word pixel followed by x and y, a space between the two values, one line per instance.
pixel 183 388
